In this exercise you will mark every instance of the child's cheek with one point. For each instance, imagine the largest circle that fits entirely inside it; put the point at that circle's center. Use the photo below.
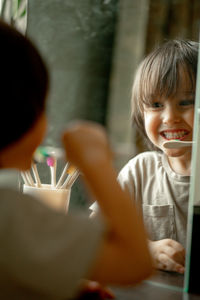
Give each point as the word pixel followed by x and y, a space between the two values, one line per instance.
pixel 148 124
pixel 189 117
pixel 152 124
pixel 148 121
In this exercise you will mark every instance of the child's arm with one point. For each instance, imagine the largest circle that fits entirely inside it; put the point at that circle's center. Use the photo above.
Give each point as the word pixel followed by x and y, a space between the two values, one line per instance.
pixel 168 255
pixel 123 257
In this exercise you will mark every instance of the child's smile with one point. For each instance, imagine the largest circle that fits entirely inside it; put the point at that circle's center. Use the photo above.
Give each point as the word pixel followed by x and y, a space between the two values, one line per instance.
pixel 175 134
pixel 171 118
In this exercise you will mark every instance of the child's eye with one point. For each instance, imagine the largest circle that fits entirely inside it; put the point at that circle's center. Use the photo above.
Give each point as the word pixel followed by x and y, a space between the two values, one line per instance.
pixel 156 105
pixel 186 102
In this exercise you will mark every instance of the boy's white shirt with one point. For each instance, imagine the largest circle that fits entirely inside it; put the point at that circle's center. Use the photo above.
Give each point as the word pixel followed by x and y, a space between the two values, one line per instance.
pixel 162 194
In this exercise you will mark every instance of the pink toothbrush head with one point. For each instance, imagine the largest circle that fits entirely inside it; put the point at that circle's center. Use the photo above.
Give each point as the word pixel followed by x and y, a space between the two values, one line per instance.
pixel 50 161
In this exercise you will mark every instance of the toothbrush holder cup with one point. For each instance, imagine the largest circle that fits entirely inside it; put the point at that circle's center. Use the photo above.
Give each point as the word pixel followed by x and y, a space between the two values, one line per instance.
pixel 57 199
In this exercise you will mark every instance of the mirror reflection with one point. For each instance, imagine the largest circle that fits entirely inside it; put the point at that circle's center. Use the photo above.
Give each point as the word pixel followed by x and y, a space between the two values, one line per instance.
pixel 163 109
pixel 106 41
pixel 93 50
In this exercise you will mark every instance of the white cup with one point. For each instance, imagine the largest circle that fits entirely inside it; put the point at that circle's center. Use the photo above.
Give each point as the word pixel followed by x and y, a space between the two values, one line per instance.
pixel 57 199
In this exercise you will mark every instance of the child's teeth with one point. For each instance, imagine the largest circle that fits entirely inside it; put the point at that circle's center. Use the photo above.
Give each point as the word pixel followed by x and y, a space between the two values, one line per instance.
pixel 174 135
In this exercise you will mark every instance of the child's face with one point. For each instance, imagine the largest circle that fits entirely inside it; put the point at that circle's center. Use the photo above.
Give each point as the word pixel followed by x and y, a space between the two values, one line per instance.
pixel 171 118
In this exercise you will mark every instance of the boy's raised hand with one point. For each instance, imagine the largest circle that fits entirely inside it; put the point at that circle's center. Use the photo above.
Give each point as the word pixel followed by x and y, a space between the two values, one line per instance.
pixel 168 255
pixel 124 256
pixel 86 144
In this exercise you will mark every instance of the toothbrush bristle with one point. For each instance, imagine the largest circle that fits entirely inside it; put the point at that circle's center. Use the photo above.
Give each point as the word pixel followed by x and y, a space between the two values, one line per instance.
pixel 38 157
pixel 50 161
pixel 71 170
pixel 43 151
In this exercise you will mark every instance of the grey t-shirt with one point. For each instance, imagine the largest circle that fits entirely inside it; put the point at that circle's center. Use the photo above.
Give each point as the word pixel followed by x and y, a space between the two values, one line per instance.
pixel 162 193
pixel 42 250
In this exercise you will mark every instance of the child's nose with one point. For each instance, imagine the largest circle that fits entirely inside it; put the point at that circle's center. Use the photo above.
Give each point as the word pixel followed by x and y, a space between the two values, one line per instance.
pixel 171 115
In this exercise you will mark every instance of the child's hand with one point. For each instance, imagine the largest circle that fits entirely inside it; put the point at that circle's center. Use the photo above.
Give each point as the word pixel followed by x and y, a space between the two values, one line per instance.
pixel 168 255
pixel 86 144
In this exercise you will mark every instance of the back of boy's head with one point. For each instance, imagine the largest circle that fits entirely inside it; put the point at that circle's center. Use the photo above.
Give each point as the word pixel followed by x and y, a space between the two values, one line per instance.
pixel 159 75
pixel 23 85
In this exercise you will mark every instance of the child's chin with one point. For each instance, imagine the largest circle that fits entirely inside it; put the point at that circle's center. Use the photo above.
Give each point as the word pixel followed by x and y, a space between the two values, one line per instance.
pixel 176 152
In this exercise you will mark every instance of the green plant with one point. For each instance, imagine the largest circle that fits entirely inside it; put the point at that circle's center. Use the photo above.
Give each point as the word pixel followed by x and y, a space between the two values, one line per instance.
pixel 14 12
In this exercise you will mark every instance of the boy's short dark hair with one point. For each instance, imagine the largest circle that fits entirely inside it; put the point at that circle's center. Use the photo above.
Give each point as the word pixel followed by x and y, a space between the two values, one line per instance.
pixel 23 84
pixel 159 75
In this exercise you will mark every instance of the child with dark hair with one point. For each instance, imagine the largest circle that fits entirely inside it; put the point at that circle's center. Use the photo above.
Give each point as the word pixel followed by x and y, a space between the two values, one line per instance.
pixel 44 253
pixel 163 109
pixel 24 84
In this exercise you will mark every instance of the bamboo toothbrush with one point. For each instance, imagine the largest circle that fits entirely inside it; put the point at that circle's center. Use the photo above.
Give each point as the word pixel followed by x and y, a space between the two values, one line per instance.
pixel 29 178
pixel 177 144
pixel 62 177
pixel 72 171
pixel 36 175
pixel 52 163
pixel 23 174
pixel 68 183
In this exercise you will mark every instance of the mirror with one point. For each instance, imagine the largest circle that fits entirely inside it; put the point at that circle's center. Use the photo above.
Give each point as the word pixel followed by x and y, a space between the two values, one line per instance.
pixel 92 49
pixel 191 283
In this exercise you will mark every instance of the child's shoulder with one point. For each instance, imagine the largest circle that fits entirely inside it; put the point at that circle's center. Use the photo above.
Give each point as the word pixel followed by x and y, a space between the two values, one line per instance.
pixel 149 161
pixel 146 157
pixel 141 166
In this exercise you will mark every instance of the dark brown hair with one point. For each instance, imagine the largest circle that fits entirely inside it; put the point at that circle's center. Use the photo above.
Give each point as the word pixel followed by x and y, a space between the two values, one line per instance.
pixel 24 83
pixel 159 75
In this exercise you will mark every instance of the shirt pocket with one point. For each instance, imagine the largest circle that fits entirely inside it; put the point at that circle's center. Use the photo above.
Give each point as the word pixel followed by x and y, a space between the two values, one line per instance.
pixel 159 221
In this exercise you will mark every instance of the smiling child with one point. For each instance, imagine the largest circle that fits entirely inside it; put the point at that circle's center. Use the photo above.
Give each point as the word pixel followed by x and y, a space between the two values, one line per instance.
pixel 163 109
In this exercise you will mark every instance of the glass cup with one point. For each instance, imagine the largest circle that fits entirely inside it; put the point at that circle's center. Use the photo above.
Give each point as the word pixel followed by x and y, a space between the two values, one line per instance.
pixel 57 199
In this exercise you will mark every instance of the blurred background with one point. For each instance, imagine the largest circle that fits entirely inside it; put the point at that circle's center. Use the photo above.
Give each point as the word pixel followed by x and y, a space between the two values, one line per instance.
pixel 92 49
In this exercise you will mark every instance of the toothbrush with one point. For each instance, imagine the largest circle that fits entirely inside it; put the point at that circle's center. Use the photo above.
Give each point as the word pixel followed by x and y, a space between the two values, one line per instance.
pixel 23 174
pixel 71 172
pixel 68 184
pixel 29 178
pixel 52 163
pixel 177 144
pixel 62 177
pixel 36 175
